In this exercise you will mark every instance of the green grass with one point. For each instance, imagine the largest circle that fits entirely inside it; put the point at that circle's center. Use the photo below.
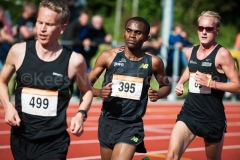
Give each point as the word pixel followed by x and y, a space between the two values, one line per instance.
pixel 102 48
pixel 11 85
pixel 185 91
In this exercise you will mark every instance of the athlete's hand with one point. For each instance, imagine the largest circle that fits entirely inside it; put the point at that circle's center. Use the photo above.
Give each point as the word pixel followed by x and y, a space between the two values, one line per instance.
pixel 106 91
pixel 76 126
pixel 11 116
pixel 152 94
pixel 201 78
pixel 179 89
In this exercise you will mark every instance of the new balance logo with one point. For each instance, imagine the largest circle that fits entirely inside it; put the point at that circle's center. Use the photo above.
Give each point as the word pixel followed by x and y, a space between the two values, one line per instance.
pixel 145 66
pixel 135 139
pixel 123 60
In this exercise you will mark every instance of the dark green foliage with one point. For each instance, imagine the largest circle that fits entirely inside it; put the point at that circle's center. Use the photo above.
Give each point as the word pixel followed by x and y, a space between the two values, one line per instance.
pixel 185 12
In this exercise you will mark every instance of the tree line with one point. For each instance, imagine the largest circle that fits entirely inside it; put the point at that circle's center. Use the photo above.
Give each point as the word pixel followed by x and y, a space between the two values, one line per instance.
pixel 185 12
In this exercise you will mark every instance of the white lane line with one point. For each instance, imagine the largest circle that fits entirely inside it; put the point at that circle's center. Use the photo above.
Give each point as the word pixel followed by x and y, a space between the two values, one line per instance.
pixel 159 128
pixel 148 138
pixel 146 117
pixel 5 132
pixel 152 109
pixel 5 147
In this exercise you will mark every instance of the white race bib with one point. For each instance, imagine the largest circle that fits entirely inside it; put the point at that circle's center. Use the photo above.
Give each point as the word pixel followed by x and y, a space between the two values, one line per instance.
pixel 39 102
pixel 196 88
pixel 127 87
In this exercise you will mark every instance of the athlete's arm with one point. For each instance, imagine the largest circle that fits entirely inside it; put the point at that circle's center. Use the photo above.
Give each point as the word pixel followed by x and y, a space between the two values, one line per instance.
pixel 77 66
pixel 225 60
pixel 103 62
pixel 13 59
pixel 162 79
pixel 82 81
pixel 185 76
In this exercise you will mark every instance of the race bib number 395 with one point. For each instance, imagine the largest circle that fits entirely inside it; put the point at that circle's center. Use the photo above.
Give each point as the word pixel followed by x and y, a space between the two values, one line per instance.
pixel 39 102
pixel 197 88
pixel 127 87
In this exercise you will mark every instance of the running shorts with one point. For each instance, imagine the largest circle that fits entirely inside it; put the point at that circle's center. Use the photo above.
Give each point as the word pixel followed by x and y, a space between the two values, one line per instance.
pixel 112 132
pixel 43 149
pixel 212 132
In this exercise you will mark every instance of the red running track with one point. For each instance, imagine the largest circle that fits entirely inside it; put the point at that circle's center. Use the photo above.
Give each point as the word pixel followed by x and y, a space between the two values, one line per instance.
pixel 158 122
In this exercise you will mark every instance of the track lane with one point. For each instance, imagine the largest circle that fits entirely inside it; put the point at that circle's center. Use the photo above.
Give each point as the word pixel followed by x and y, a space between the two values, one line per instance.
pixel 158 121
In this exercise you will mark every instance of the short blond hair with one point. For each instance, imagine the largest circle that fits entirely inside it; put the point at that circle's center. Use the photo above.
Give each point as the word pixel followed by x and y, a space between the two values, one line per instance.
pixel 57 6
pixel 212 14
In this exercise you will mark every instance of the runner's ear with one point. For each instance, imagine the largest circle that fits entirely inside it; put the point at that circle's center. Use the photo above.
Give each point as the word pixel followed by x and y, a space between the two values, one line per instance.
pixel 63 27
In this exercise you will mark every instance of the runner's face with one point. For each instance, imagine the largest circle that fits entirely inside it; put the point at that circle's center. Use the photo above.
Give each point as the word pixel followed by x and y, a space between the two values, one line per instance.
pixel 210 31
pixel 48 26
pixel 135 34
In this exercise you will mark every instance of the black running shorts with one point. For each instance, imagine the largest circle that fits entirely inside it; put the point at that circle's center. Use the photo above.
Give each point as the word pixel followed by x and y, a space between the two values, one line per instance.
pixel 212 132
pixel 112 132
pixel 43 149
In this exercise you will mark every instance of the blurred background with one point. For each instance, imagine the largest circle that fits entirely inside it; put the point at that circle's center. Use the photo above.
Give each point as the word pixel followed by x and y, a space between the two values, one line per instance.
pixel 106 18
pixel 184 11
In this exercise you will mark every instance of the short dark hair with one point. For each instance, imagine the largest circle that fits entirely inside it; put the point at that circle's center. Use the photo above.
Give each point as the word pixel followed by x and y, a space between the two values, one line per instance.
pixel 140 19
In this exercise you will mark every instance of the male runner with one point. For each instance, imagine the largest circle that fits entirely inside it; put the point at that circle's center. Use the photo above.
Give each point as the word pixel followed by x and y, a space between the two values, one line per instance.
pixel 125 92
pixel 45 75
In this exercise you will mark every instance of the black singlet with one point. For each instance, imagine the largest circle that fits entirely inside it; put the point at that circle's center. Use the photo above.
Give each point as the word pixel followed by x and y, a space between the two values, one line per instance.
pixel 131 83
pixel 42 94
pixel 202 103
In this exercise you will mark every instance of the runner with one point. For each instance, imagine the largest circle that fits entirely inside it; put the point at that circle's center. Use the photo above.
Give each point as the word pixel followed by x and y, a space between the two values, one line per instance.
pixel 45 75
pixel 125 92
pixel 202 114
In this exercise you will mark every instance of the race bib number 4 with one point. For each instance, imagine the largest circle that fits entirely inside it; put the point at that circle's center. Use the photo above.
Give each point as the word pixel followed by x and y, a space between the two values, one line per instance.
pixel 196 88
pixel 39 102
pixel 127 87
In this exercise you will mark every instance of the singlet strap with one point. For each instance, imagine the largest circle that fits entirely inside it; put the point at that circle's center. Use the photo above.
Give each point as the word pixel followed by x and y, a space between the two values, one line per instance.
pixel 194 52
pixel 214 52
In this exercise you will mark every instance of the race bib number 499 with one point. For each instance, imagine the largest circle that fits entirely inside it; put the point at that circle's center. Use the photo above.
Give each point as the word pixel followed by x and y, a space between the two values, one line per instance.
pixel 39 102
pixel 127 87
pixel 197 88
